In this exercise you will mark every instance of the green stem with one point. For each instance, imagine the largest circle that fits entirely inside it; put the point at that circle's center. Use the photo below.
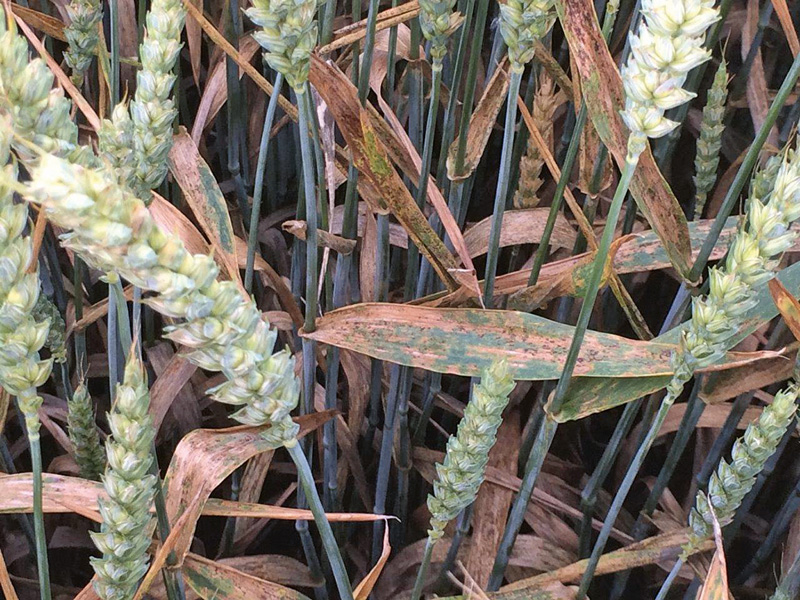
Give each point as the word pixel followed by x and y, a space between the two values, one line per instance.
pixel 38 516
pixel 501 192
pixel 430 130
pixel 325 531
pixel 113 14
pixel 547 432
pixel 258 189
pixel 622 493
pixel 419 584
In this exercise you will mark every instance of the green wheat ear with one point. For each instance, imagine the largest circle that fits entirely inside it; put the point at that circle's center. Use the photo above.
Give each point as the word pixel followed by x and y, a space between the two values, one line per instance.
pixel 82 35
pixel 126 530
pixel 89 453
pixel 56 342
pixel 710 141
pixel 460 475
pixel 733 480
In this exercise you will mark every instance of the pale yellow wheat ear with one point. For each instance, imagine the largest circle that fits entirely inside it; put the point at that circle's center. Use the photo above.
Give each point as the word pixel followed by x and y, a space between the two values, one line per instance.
pixel 288 34
pixel 733 480
pixel 522 24
pixel 547 99
pixel 224 331
pixel 146 126
pixel 126 529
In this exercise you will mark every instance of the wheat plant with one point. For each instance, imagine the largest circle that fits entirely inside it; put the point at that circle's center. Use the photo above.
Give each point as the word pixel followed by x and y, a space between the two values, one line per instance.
pixel 709 143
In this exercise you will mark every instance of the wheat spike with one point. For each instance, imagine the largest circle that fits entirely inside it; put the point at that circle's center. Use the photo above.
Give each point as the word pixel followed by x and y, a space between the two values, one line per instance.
pixel 45 310
pixel 21 336
pixel 125 533
pixel 89 452
pixel 667 45
pixel 147 128
pixel 522 24
pixel 114 232
pixel 82 35
pixel 733 480
pixel 545 103
pixel 710 141
pixel 435 21
pixel 288 34
pixel 460 475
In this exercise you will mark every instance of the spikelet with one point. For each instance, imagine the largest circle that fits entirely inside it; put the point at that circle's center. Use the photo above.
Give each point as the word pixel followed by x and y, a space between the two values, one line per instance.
pixel 545 103
pixel 152 111
pixel 522 24
pixel 460 475
pixel 38 113
pixel 89 452
pixel 125 533
pixel 733 480
pixel 764 178
pixel 709 143
pixel 114 232
pixel 751 259
pixel 288 34
pixel 435 20
pixel 668 44
pixel 21 337
pixel 56 342
pixel 82 35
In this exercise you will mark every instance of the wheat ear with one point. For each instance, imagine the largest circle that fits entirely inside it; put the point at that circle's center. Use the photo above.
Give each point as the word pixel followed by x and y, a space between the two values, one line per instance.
pixel 125 533
pixel 709 143
pixel 21 337
pixel 114 232
pixel 522 24
pixel 89 452
pixel 82 35
pixel 545 103
pixel 459 476
pixel 667 45
pixel 147 126
pixel 38 112
pixel 288 34
pixel 733 480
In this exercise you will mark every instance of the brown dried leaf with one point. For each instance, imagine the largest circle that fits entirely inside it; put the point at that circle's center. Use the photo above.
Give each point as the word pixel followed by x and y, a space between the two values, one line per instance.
pixel 787 305
pixel 372 160
pixel 481 124
pixel 524 226
pixel 203 195
pixel 715 587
